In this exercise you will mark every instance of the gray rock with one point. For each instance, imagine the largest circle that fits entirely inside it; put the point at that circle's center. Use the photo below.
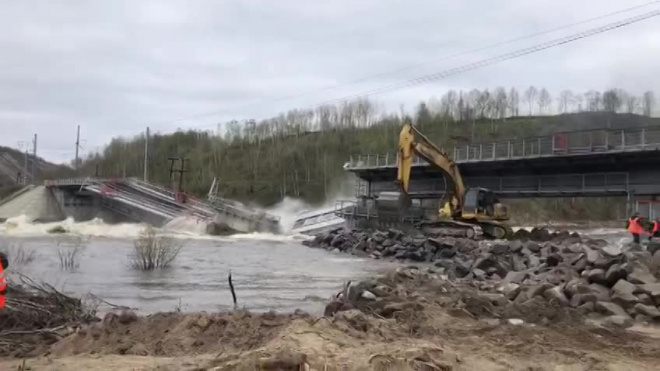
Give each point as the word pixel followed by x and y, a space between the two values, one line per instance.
pixel 652 289
pixel 510 290
pixel 586 308
pixel 379 237
pixel 337 240
pixel 641 275
pixel 610 308
pixel 618 321
pixel 335 251
pixel 407 240
pixel 654 246
pixel 394 234
pixel 579 299
pixel 419 242
pixel 647 310
pixel 518 263
pixel 538 290
pixel 497 300
pixel 645 299
pixel 592 255
pixel 556 294
pixel 499 249
pixel 478 273
pixel 602 292
pixel 417 256
pixel 596 275
pixel 579 263
pixel 368 295
pixel 447 253
pixel 623 292
pixel 612 251
pixel 461 268
pixel 553 260
pixel 533 261
pixel 515 277
pixel 515 246
pixel 388 242
pixel 532 246
pixel 360 246
pixel 615 273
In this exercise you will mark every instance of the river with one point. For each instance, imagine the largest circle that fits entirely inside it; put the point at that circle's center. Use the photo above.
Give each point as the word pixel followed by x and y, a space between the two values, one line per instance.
pixel 269 271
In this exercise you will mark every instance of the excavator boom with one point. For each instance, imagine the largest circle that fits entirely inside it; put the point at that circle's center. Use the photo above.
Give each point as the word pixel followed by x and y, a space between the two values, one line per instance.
pixel 411 141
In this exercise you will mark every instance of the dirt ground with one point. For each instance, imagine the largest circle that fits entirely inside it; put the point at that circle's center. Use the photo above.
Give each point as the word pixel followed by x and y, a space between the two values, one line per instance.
pixel 432 334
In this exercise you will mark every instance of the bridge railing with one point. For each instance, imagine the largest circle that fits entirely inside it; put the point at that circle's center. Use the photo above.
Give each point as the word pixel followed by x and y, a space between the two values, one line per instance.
pixel 559 144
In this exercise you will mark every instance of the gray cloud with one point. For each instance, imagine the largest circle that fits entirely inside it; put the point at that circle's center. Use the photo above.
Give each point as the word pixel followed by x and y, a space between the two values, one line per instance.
pixel 114 67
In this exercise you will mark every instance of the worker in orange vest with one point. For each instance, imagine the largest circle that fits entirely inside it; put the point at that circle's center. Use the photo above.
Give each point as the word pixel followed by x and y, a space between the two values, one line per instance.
pixel 655 229
pixel 635 226
pixel 4 263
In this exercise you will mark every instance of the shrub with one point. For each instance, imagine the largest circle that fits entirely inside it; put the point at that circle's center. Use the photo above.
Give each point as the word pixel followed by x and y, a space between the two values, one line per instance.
pixel 70 255
pixel 18 255
pixel 152 251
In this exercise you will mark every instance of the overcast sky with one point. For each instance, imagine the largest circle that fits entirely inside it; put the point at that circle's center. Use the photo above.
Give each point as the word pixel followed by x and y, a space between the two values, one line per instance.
pixel 115 67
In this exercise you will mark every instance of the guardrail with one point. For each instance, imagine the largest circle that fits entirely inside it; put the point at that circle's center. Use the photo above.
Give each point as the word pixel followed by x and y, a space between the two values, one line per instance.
pixel 560 144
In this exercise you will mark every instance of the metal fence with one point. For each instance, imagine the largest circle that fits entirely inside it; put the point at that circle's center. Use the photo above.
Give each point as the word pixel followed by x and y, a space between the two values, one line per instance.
pixel 560 144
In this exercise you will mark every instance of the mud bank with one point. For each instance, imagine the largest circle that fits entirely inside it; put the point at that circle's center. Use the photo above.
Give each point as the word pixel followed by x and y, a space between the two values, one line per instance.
pixel 425 322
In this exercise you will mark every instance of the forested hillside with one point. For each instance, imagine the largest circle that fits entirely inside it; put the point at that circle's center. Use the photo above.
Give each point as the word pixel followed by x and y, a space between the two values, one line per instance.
pixel 302 153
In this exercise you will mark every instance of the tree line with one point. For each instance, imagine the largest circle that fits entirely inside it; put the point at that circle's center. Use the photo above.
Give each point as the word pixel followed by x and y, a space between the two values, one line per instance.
pixel 301 153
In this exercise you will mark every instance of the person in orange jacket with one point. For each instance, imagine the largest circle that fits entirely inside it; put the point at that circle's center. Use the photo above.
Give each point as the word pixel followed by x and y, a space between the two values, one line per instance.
pixel 635 227
pixel 4 263
pixel 655 229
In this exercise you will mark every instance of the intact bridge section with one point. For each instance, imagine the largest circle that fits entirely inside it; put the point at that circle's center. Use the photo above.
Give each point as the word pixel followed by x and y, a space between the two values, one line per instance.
pixel 594 163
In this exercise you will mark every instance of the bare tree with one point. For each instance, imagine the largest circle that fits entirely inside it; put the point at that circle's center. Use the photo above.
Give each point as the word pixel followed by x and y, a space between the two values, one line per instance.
pixel 579 101
pixel 500 103
pixel 648 103
pixel 544 100
pixel 611 100
pixel 565 101
pixel 479 101
pixel 632 103
pixel 529 97
pixel 593 100
pixel 514 102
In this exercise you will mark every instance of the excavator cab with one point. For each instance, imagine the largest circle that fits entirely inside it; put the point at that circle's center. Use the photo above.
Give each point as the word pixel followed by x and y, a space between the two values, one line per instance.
pixel 483 204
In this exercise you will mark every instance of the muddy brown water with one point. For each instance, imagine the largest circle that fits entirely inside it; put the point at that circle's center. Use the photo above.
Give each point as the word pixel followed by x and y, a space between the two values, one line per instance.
pixel 269 272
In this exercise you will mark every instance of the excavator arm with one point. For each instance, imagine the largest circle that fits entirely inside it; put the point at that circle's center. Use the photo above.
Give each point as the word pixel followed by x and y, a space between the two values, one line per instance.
pixel 411 141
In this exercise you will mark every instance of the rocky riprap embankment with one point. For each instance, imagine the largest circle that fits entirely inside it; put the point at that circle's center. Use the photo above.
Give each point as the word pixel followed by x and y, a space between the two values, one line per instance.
pixel 586 276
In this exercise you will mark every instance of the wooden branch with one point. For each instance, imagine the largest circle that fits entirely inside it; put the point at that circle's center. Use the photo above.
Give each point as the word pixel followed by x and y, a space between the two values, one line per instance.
pixel 233 293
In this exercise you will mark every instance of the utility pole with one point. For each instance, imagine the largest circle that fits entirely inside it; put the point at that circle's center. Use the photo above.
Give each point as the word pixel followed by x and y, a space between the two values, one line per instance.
pixel 146 155
pixel 25 168
pixel 75 164
pixel 35 163
pixel 181 171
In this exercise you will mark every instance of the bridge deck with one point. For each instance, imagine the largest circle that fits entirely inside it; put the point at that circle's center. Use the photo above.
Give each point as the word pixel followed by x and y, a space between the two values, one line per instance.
pixel 573 164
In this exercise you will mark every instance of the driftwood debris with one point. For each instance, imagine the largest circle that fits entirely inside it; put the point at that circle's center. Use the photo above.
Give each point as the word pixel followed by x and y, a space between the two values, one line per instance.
pixel 36 315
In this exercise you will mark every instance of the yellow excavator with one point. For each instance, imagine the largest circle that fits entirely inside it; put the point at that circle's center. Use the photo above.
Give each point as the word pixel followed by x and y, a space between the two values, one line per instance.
pixel 462 211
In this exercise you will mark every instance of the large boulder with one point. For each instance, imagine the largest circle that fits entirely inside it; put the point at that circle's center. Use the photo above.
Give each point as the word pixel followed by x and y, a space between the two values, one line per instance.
pixel 609 308
pixel 623 293
pixel 647 310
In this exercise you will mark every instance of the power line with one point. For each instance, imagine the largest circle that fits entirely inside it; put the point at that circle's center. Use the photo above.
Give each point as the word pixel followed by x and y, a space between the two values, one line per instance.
pixel 497 59
pixel 411 67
